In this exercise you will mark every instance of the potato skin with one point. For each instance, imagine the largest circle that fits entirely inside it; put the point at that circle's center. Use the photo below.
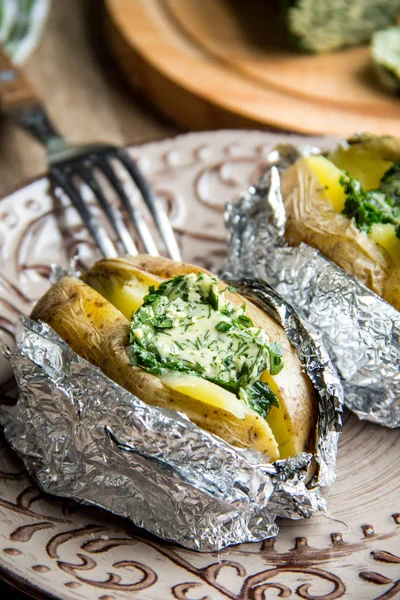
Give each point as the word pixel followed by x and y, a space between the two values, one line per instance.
pixel 385 147
pixel 98 332
pixel 312 219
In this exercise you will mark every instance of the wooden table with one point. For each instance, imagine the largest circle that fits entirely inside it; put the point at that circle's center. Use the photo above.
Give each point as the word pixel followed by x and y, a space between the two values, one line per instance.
pixel 82 89
pixel 85 95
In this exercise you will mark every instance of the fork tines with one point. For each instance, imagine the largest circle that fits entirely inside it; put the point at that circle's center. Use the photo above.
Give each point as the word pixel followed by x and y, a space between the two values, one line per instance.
pixel 83 167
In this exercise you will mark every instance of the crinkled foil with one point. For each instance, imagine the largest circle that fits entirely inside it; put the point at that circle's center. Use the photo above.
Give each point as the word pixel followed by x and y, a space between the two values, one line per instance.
pixel 84 437
pixel 360 330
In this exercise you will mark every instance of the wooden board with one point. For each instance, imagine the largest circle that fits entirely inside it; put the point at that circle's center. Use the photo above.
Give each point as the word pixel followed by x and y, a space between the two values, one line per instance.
pixel 210 64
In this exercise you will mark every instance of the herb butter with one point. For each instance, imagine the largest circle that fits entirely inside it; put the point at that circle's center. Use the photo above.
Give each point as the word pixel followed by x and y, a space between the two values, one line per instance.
pixel 187 325
pixel 380 206
pixel 322 26
pixel 385 51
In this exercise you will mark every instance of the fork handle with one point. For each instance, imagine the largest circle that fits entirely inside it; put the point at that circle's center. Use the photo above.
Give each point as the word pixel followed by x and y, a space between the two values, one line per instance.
pixel 15 89
pixel 19 101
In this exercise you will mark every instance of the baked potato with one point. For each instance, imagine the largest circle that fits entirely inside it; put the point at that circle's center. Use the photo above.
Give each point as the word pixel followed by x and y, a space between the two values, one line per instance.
pixel 347 205
pixel 135 317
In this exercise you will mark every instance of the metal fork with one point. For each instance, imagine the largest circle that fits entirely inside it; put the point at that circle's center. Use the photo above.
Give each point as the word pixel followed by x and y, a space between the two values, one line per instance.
pixel 70 165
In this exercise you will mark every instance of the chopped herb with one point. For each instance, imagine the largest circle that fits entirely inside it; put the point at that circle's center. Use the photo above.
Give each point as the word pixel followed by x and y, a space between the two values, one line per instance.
pixel 134 361
pixel 213 298
pixel 163 323
pixel 175 365
pixel 246 321
pixel 260 398
pixel 275 358
pixel 244 371
pixel 223 326
pixel 187 325
pixel 245 347
pixel 375 206
pixel 145 359
pixel 151 296
pixel 390 183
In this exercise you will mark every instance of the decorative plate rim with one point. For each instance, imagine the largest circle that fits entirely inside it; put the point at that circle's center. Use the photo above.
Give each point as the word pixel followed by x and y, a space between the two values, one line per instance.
pixel 18 576
pixel 20 583
pixel 143 142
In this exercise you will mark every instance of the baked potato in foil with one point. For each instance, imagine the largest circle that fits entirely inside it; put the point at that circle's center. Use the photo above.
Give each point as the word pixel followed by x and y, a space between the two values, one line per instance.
pixel 178 338
pixel 347 205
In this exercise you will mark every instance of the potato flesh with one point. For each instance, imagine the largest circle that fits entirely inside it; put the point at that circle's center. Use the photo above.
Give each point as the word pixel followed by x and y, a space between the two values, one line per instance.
pixel 216 397
pixel 385 235
pixel 290 438
pixel 128 297
pixel 206 391
pixel 125 294
pixel 276 420
pixel 361 164
pixel 329 176
pixel 369 172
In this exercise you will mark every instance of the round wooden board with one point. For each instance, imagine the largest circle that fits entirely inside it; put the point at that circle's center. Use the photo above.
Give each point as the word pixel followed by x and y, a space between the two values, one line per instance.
pixel 223 63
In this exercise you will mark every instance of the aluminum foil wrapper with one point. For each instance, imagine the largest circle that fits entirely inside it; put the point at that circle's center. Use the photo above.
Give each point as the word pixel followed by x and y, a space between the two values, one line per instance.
pixel 84 437
pixel 360 330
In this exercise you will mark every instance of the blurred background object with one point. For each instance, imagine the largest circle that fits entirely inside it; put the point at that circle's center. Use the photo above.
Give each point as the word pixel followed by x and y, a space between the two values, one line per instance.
pixel 21 23
pixel 385 52
pixel 208 64
pixel 83 90
pixel 203 64
pixel 315 26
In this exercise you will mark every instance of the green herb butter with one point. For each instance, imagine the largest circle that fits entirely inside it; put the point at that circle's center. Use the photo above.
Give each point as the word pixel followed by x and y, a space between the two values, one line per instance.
pixel 375 206
pixel 325 25
pixel 187 325
pixel 385 51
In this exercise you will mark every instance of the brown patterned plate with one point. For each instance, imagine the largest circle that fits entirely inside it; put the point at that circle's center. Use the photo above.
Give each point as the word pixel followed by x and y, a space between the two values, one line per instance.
pixel 53 548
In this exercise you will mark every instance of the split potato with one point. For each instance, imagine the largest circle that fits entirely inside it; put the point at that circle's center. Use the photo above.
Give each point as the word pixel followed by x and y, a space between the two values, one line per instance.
pixel 315 200
pixel 93 316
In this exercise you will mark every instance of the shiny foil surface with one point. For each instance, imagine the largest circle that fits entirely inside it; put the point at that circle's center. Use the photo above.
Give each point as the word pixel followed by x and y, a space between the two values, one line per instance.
pixel 360 330
pixel 84 437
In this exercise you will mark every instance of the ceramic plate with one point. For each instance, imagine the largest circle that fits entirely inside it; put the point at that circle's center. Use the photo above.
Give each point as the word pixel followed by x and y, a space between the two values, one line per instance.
pixel 53 548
